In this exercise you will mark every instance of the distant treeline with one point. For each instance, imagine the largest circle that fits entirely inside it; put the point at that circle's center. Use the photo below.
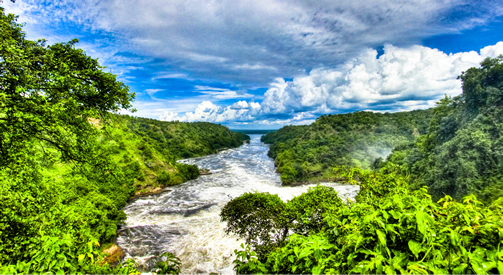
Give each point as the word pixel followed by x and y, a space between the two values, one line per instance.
pixel 187 139
pixel 253 132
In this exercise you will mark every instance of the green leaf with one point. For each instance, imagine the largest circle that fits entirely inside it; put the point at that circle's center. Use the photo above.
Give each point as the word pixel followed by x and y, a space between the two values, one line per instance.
pixel 389 270
pixel 52 264
pixel 381 236
pixel 454 237
pixel 477 267
pixel 421 220
pixel 305 253
pixel 415 247
pixel 500 267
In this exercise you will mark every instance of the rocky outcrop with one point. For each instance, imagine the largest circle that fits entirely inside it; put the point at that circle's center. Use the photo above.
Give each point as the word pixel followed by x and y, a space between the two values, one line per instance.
pixel 113 255
pixel 203 172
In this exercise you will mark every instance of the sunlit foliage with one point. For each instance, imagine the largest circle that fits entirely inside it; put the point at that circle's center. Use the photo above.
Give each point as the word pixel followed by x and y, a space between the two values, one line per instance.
pixel 388 229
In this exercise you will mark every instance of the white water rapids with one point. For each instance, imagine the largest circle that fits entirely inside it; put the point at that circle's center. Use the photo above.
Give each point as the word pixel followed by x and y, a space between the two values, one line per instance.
pixel 186 221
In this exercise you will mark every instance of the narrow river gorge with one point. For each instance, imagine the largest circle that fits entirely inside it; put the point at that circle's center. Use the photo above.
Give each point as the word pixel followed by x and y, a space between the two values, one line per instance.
pixel 186 220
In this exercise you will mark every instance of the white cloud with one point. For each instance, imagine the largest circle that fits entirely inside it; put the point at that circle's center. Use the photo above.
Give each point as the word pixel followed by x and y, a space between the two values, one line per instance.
pixel 170 76
pixel 151 92
pixel 255 41
pixel 207 111
pixel 400 79
pixel 255 67
pixel 221 93
pixel 492 51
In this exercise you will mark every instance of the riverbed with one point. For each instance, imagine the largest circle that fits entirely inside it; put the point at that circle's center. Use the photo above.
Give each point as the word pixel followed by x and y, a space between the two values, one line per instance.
pixel 186 221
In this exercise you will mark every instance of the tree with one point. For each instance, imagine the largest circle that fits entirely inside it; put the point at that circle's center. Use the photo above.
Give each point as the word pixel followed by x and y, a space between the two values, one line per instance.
pixel 48 93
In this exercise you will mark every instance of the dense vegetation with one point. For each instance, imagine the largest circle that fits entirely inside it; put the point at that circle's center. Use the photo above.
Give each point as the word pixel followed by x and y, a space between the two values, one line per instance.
pixel 308 153
pixel 253 132
pixel 387 229
pixel 187 140
pixel 394 225
pixel 68 164
pixel 462 153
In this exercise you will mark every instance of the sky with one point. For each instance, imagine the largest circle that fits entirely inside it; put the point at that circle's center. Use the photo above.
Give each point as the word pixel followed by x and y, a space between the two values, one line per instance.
pixel 263 64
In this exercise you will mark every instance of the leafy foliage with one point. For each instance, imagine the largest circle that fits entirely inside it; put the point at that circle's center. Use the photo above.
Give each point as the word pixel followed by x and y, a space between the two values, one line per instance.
pixel 390 229
pixel 462 152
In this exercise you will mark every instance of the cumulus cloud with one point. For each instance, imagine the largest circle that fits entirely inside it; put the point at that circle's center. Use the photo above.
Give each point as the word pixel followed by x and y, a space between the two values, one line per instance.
pixel 254 42
pixel 400 79
pixel 241 111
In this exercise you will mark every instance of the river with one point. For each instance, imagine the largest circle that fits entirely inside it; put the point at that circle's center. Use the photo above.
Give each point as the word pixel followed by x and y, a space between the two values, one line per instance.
pixel 186 221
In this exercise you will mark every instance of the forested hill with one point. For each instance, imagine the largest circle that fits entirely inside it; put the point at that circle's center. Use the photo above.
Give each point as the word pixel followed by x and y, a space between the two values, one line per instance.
pixel 69 164
pixel 309 153
pixel 462 152
pixel 253 132
pixel 187 140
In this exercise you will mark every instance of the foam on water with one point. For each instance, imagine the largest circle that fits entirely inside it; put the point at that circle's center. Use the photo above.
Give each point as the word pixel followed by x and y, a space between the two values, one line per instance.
pixel 186 221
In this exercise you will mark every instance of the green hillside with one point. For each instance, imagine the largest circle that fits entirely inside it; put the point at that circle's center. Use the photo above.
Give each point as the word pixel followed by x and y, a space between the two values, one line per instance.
pixel 186 140
pixel 309 153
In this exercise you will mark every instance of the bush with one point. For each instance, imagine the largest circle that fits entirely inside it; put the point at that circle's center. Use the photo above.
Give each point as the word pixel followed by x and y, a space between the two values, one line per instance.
pixel 163 178
pixel 187 171
pixel 390 229
pixel 176 180
pixel 308 209
pixel 258 218
pixel 171 264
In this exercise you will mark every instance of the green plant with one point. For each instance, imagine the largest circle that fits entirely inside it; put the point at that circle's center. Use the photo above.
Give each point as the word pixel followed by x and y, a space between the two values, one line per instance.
pixel 169 264
pixel 163 178
pixel 391 229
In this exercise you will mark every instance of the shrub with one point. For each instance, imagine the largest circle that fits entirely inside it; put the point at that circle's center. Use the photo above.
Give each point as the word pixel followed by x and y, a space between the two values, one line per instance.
pixel 258 218
pixel 390 229
pixel 171 264
pixel 163 178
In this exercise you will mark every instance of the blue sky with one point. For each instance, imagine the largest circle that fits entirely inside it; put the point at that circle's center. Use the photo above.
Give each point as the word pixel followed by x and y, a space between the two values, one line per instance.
pixel 264 64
